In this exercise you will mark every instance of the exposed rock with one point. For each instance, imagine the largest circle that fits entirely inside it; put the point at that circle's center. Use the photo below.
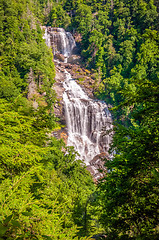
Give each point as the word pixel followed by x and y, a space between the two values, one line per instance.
pixel 58 87
pixel 74 59
pixel 92 142
pixel 61 134
pixel 82 75
pixel 59 40
pixel 92 170
pixel 78 37
pixel 32 89
pixel 35 104
pixel 96 165
pixel 60 57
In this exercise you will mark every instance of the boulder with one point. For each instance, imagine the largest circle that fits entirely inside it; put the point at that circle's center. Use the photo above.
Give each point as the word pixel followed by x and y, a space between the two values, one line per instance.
pixel 60 57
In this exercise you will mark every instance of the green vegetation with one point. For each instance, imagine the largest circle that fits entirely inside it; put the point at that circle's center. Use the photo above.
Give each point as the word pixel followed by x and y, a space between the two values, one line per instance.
pixel 40 186
pixel 45 193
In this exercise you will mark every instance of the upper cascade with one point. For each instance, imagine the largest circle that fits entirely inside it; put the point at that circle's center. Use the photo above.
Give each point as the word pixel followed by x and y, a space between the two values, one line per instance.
pixel 59 40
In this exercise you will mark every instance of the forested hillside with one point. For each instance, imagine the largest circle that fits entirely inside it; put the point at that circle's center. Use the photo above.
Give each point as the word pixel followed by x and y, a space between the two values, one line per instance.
pixel 45 193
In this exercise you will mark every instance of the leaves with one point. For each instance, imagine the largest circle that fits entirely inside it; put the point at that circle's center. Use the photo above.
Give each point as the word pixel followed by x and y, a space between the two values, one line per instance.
pixel 41 185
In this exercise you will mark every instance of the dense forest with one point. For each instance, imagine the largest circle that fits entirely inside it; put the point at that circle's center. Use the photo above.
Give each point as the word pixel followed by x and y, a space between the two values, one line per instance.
pixel 45 193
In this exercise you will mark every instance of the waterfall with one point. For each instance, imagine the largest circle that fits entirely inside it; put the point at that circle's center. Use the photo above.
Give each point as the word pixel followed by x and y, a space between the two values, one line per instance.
pixel 62 42
pixel 87 120
pixel 47 38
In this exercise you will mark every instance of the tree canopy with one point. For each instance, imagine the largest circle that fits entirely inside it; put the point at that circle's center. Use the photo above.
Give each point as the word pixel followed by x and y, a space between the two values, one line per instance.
pixel 45 192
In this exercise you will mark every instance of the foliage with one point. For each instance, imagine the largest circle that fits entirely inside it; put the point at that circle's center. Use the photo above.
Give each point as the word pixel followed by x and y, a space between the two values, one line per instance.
pixel 120 41
pixel 130 189
pixel 45 192
pixel 41 186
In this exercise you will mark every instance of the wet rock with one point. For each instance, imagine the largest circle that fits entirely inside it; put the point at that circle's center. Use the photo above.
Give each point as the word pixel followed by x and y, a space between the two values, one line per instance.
pixel 90 115
pixel 60 57
pixel 74 59
pixel 92 170
pixel 32 87
pixel 98 163
pixel 60 134
pixel 59 40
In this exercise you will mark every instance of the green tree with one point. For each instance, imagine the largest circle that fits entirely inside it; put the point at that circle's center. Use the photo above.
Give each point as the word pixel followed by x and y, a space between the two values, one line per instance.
pixel 129 193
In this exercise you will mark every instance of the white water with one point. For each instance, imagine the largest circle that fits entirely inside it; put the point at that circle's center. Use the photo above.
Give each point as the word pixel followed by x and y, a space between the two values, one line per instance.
pixel 46 36
pixel 87 120
pixel 62 42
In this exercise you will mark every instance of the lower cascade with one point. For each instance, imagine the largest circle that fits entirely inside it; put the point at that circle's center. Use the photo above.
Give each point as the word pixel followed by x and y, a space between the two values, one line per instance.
pixel 88 121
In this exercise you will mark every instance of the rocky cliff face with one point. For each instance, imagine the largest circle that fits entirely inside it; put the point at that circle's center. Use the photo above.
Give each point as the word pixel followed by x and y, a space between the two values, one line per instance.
pixel 86 119
pixel 62 42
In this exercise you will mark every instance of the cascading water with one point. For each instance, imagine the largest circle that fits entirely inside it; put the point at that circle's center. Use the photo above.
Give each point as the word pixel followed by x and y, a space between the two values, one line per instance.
pixel 87 120
pixel 62 42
